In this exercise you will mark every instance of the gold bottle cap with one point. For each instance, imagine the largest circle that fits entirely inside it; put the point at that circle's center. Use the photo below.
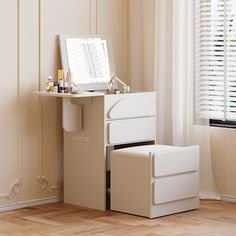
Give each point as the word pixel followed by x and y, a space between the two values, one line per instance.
pixel 60 74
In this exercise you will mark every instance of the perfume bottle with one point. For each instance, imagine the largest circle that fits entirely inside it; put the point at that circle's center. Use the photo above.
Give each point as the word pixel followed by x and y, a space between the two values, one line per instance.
pixel 60 79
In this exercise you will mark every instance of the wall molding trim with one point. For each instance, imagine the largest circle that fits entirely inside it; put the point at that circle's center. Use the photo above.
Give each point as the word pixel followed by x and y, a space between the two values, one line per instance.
pixel 30 203
pixel 15 188
pixel 228 198
pixel 45 186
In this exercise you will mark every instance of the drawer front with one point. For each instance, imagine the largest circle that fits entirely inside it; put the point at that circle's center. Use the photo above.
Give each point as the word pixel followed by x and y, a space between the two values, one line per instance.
pixel 131 130
pixel 174 188
pixel 175 161
pixel 131 105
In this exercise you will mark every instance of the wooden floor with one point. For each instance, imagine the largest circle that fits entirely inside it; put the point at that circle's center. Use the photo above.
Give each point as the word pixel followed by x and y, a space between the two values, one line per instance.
pixel 213 219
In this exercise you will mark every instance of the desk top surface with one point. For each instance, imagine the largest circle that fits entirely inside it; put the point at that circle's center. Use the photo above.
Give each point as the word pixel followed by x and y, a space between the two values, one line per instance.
pixel 69 95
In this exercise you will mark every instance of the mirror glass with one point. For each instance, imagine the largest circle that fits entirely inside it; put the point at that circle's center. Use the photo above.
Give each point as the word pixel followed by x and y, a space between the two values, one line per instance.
pixel 90 58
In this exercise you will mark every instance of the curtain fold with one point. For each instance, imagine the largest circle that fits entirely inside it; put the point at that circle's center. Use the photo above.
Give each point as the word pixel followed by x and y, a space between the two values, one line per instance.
pixel 163 71
pixel 174 86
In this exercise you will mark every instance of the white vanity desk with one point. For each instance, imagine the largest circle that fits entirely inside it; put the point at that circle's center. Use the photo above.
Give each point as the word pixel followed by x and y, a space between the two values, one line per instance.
pixel 94 124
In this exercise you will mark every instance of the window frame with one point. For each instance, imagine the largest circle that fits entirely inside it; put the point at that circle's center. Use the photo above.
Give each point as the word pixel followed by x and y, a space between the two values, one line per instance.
pixel 214 122
pixel 223 124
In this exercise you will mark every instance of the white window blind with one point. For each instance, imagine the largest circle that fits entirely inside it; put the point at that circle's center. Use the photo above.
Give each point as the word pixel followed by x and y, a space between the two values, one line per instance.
pixel 215 59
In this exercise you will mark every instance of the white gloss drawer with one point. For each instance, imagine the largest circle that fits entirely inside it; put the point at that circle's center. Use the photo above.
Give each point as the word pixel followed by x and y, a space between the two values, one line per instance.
pixel 131 130
pixel 176 160
pixel 173 188
pixel 123 106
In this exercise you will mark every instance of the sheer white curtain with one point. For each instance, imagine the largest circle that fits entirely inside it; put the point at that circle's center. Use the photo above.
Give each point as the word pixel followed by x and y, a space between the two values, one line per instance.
pixel 174 82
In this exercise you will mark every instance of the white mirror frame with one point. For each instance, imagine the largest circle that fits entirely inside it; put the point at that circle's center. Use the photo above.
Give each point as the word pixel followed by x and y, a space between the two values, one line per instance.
pixel 91 85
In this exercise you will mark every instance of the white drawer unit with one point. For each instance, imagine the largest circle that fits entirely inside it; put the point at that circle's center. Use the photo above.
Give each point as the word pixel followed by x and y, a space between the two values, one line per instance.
pixel 166 162
pixel 130 118
pixel 130 105
pixel 177 187
pixel 131 130
pixel 155 180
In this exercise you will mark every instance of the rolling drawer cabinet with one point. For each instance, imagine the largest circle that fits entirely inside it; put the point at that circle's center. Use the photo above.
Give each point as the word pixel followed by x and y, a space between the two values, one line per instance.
pixel 155 180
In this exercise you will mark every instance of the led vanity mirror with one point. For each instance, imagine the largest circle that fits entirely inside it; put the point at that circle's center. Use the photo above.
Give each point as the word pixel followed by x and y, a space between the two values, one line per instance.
pixel 90 58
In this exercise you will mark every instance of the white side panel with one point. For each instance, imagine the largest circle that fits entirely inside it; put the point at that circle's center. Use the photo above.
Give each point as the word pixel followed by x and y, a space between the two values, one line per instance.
pixel 174 188
pixel 130 183
pixel 133 105
pixel 174 161
pixel 84 160
pixel 131 130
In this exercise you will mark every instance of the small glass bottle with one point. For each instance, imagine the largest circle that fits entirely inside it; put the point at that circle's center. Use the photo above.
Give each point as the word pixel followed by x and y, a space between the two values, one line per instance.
pixel 55 87
pixel 69 79
pixel 66 86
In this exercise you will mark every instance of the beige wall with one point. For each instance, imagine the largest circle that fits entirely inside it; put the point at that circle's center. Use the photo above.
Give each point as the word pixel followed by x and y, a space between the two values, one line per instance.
pixel 112 18
pixel 141 44
pixel 31 141
pixel 223 150
pixel 223 158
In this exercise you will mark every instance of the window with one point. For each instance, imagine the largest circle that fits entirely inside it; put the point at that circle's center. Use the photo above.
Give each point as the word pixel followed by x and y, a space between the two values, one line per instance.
pixel 215 60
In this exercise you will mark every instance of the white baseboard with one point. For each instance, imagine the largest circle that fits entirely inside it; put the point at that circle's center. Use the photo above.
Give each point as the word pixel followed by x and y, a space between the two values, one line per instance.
pixel 209 196
pixel 228 198
pixel 37 202
pixel 30 203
